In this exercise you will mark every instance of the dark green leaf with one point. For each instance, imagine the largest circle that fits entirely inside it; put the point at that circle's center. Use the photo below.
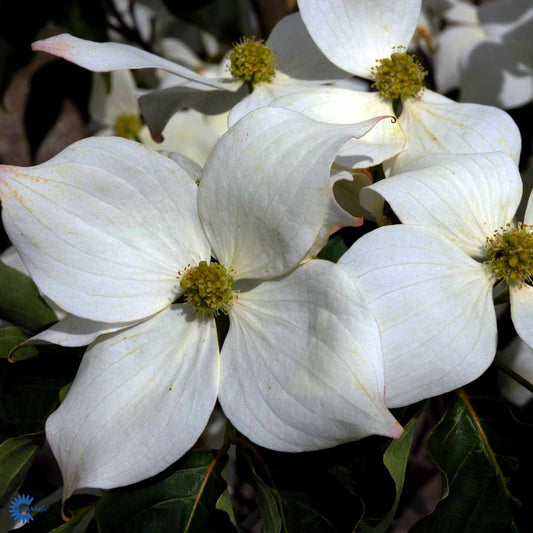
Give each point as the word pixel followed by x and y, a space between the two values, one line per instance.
pixel 16 457
pixel 182 501
pixel 266 497
pixel 334 249
pixel 12 337
pixel 395 459
pixel 225 504
pixel 479 448
pixel 20 302
pixel 31 388
pixel 50 521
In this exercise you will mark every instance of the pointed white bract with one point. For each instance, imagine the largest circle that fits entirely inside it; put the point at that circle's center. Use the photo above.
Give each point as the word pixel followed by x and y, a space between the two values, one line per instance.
pixel 435 123
pixel 433 305
pixel 462 197
pixel 265 191
pixel 354 34
pixel 106 57
pixel 301 365
pixel 140 400
pixel 116 232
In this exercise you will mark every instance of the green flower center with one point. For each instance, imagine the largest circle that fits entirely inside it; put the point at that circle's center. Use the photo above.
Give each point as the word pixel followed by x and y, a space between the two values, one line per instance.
pixel 398 76
pixel 128 126
pixel 510 254
pixel 207 288
pixel 252 61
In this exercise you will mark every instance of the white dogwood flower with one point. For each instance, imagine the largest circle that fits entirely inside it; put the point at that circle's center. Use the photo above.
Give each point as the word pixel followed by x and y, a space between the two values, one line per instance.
pixel 289 62
pixel 369 38
pixel 429 280
pixel 486 52
pixel 111 231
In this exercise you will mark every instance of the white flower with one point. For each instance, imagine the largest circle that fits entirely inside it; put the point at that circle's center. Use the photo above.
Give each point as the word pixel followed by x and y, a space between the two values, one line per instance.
pixel 428 281
pixel 110 230
pixel 117 111
pixel 486 52
pixel 368 38
pixel 289 63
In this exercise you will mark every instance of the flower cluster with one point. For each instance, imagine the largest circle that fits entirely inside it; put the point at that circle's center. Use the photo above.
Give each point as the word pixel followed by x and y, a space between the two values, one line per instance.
pixel 144 250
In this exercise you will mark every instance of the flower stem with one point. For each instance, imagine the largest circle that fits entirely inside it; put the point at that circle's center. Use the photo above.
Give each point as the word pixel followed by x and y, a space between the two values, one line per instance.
pixel 514 375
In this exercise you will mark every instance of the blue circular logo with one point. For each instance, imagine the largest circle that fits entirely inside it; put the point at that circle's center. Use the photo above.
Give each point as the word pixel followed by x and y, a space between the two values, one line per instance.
pixel 19 508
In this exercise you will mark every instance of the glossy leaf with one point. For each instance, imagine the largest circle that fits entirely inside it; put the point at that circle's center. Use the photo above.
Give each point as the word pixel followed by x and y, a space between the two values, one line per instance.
pixel 16 457
pixel 20 302
pixel 182 500
pixel 10 338
pixel 480 449
pixel 395 459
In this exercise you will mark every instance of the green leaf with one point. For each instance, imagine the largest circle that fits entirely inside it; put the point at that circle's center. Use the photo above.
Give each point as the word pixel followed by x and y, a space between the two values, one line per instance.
pixel 20 302
pixel 479 448
pixel 334 249
pixel 50 520
pixel 182 501
pixel 395 459
pixel 224 503
pixel 16 457
pixel 268 506
pixel 10 338
pixel 30 389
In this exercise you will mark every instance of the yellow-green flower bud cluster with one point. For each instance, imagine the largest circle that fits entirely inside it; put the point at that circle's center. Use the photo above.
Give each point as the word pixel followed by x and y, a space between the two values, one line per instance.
pixel 252 61
pixel 398 76
pixel 128 126
pixel 207 288
pixel 510 254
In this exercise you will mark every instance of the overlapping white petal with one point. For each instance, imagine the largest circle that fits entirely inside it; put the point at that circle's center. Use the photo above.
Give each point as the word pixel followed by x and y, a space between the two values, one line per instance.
pixel 74 331
pixel 140 400
pixel 301 367
pixel 105 57
pixel 265 93
pixel 435 123
pixel 343 106
pixel 354 34
pixel 433 305
pixel 465 198
pixel 104 227
pixel 266 189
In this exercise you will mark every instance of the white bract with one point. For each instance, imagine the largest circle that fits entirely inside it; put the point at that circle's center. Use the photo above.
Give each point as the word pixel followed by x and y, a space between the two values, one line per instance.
pixel 429 281
pixel 111 231
pixel 486 52
pixel 368 38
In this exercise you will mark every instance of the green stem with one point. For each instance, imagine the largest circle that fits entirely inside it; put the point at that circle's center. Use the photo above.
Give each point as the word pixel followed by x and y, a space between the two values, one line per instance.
pixel 512 374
